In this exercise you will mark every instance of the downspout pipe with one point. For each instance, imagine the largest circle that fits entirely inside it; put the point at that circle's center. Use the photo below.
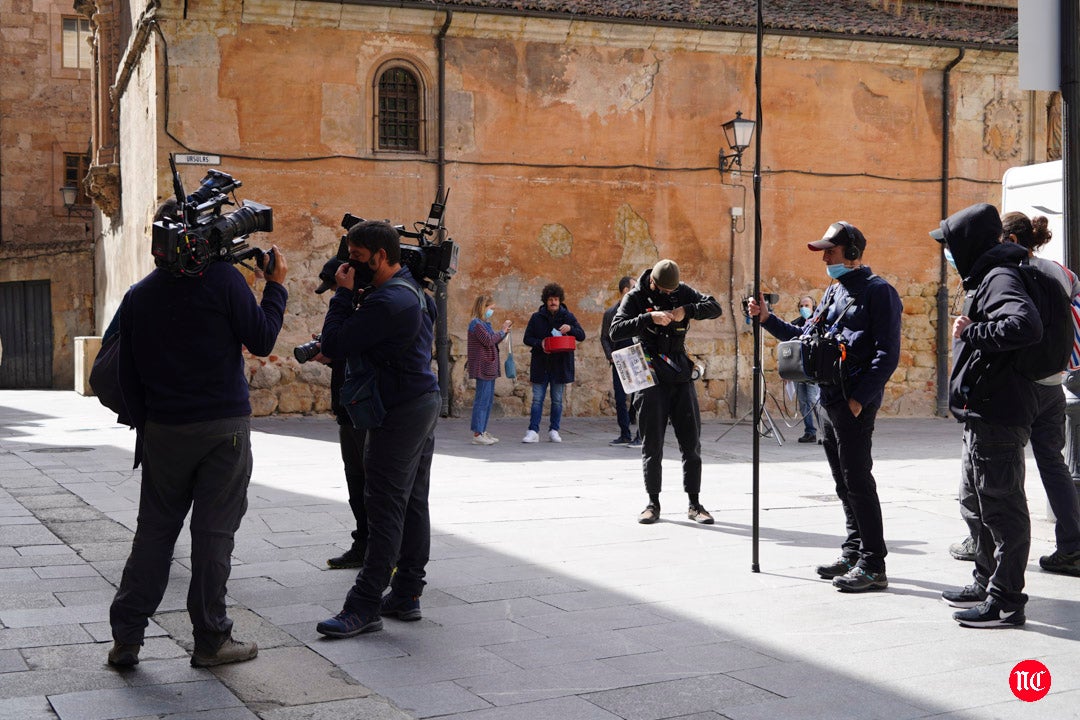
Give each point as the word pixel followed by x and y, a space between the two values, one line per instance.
pixel 944 329
pixel 442 332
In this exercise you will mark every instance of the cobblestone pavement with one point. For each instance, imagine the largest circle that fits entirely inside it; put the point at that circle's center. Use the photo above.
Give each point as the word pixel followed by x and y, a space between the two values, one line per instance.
pixel 546 600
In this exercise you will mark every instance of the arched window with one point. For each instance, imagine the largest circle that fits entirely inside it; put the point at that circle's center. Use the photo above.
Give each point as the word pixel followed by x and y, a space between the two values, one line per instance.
pixel 400 102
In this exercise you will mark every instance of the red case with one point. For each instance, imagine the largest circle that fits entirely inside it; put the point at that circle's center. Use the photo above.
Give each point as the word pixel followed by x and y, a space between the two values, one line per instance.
pixel 562 343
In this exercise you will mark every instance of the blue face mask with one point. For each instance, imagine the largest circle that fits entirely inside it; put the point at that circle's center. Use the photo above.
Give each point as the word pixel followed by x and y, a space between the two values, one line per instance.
pixel 838 271
pixel 949 258
pixel 806 312
pixel 488 313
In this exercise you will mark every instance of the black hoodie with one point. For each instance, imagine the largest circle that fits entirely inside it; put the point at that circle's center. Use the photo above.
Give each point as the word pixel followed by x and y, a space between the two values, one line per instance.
pixel 984 383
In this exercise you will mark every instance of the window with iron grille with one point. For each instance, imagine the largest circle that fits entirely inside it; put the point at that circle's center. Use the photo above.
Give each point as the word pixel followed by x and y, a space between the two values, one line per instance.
pixel 76 49
pixel 399 120
pixel 76 168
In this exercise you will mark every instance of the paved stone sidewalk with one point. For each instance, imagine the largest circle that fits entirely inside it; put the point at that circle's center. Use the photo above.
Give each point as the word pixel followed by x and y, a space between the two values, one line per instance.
pixel 546 600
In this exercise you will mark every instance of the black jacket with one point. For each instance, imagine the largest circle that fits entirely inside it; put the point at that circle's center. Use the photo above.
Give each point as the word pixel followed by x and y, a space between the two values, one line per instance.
pixel 551 367
pixel 664 345
pixel 984 384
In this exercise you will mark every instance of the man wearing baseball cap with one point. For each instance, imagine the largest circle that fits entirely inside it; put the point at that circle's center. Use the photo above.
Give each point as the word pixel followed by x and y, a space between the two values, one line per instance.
pixel 657 314
pixel 862 311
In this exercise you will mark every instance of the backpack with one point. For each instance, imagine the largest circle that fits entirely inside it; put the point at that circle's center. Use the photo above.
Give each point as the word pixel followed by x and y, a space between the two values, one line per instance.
pixel 1053 353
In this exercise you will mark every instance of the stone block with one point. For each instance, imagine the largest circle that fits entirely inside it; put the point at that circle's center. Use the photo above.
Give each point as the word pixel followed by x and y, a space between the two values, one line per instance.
pixel 150 700
pixel 289 676
pixel 86 351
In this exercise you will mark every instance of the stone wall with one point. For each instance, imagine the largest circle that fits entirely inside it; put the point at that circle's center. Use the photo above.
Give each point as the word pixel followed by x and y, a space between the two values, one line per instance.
pixel 578 156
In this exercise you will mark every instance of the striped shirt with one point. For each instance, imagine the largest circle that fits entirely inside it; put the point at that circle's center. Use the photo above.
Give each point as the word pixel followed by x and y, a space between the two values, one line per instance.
pixel 483 350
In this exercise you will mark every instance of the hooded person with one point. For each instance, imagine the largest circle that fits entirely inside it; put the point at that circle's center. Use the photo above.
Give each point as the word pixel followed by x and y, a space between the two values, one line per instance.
pixel 657 313
pixel 863 311
pixel 997 406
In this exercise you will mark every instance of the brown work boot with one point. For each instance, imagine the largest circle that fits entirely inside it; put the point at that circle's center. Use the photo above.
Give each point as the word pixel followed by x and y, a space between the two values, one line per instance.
pixel 123 655
pixel 231 651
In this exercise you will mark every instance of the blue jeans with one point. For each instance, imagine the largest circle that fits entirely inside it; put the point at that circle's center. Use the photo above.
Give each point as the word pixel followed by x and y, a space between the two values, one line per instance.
pixel 481 408
pixel 538 392
pixel 807 394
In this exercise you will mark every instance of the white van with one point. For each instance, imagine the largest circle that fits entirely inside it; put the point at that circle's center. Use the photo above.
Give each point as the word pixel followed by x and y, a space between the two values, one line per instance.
pixel 1038 190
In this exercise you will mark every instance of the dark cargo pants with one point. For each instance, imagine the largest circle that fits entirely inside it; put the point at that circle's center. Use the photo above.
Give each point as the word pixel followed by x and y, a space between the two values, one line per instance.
pixel 205 467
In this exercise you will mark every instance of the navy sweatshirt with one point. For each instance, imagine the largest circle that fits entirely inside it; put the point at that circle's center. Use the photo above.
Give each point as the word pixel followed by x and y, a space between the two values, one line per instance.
pixel 181 340
pixel 870 327
pixel 392 332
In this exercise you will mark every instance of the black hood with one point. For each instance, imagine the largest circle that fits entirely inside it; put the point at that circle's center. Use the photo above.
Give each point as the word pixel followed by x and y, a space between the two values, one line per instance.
pixel 969 234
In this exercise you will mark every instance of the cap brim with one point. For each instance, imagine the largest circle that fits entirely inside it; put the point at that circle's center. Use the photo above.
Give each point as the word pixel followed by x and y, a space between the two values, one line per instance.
pixel 324 286
pixel 822 244
pixel 938 234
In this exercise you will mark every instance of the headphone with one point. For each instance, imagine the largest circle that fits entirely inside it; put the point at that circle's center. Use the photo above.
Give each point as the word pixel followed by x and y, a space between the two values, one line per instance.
pixel 851 251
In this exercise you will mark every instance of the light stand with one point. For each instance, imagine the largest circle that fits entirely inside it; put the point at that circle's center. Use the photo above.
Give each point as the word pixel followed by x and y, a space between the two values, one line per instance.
pixel 758 377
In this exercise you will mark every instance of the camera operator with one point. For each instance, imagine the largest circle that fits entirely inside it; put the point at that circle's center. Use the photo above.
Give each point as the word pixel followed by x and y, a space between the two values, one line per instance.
pixel 183 382
pixel 394 333
pixel 657 314
pixel 863 310
pixel 350 439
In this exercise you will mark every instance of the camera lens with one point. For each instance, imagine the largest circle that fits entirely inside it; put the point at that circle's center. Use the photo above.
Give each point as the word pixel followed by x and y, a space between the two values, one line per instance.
pixel 306 352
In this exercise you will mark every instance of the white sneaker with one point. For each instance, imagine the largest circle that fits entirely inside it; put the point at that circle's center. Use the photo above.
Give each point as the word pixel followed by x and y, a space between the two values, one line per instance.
pixel 482 439
pixel 490 437
pixel 531 437
pixel 554 436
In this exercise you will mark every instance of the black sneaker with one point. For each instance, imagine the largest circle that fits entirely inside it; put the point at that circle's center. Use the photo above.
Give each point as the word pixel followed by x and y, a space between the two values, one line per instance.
pixel 1066 563
pixel 963 550
pixel 351 558
pixel 649 515
pixel 858 580
pixel 808 438
pixel 402 608
pixel 990 614
pixel 621 440
pixel 635 443
pixel 699 514
pixel 966 597
pixel 841 567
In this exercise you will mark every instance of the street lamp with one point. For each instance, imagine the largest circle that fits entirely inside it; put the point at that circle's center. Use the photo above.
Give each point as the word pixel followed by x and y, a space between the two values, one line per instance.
pixel 69 193
pixel 737 132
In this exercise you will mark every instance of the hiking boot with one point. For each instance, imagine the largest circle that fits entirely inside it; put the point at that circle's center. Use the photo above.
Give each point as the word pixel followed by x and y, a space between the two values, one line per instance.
pixel 621 440
pixel 231 651
pixel 649 515
pixel 554 436
pixel 840 567
pixel 966 597
pixel 858 580
pixel 400 607
pixel 348 624
pixel 123 655
pixel 699 514
pixel 808 438
pixel 990 614
pixel 1059 561
pixel 963 550
pixel 531 437
pixel 351 558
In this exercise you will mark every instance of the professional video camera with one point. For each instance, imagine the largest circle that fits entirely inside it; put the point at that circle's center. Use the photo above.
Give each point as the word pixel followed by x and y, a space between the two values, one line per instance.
pixel 428 260
pixel 187 244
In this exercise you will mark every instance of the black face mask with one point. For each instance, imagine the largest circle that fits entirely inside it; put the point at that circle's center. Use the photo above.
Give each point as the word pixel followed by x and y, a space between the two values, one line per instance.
pixel 364 275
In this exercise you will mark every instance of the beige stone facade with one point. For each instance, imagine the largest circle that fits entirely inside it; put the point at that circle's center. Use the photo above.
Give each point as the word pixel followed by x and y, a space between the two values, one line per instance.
pixel 575 152
pixel 44 94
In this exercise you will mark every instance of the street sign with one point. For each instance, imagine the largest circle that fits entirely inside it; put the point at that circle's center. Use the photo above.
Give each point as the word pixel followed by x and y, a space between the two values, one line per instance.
pixel 193 159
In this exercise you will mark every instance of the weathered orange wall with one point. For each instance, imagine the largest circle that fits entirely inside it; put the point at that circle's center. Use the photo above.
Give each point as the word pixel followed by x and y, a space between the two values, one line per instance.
pixel 577 163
